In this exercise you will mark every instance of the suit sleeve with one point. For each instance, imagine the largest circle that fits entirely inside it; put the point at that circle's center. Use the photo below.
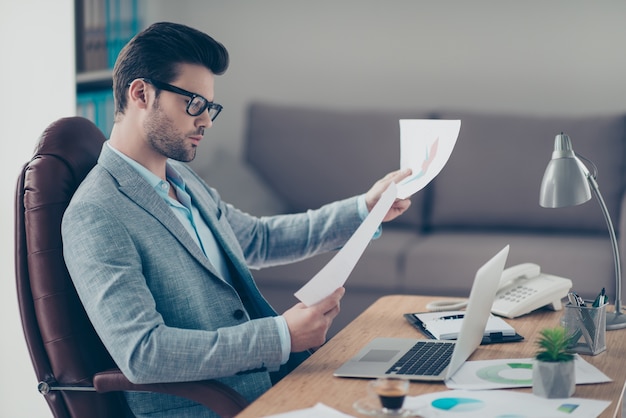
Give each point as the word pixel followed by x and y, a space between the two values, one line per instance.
pixel 282 239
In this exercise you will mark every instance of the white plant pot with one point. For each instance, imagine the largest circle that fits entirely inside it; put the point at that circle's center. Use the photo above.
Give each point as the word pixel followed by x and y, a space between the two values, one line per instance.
pixel 554 380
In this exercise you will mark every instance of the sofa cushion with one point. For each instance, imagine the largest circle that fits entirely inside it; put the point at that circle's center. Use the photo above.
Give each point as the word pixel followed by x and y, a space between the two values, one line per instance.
pixel 378 269
pixel 239 184
pixel 311 157
pixel 493 177
pixel 445 264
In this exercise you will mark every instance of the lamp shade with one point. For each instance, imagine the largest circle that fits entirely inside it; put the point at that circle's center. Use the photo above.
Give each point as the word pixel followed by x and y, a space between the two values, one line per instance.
pixel 565 180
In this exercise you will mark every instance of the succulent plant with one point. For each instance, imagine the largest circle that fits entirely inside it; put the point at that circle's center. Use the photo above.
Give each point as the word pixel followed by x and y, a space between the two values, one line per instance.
pixel 554 343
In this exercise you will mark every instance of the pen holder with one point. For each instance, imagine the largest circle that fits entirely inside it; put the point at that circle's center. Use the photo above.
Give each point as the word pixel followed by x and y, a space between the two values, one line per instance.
pixel 587 327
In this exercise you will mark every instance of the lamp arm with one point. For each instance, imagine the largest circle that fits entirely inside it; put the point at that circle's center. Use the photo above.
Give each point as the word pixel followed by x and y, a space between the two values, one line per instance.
pixel 618 273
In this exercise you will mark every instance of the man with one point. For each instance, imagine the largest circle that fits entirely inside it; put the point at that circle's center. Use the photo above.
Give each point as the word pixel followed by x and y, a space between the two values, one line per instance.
pixel 161 263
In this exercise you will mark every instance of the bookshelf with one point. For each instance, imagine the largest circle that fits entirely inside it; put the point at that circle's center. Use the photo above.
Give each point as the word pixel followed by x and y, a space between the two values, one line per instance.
pixel 103 27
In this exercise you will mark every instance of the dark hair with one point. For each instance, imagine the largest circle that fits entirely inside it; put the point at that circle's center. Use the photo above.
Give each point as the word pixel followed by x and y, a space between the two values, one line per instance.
pixel 157 51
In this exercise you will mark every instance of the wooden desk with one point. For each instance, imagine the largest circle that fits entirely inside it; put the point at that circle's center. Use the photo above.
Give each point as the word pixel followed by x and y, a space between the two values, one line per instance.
pixel 313 381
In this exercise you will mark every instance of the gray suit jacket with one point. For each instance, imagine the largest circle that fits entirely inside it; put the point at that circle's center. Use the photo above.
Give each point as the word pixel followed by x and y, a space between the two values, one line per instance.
pixel 158 304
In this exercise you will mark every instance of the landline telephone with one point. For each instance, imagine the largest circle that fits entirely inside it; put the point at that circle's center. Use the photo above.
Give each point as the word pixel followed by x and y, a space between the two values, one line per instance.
pixel 523 288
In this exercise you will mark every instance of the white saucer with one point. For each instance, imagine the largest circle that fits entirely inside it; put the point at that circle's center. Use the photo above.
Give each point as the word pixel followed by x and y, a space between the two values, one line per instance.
pixel 368 406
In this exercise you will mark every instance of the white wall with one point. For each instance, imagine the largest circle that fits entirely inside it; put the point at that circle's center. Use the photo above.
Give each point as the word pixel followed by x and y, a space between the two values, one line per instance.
pixel 534 56
pixel 37 74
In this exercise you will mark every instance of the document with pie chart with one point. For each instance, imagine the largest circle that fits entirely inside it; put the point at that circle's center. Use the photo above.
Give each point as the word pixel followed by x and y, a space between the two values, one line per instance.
pixel 500 404
pixel 513 373
pixel 425 147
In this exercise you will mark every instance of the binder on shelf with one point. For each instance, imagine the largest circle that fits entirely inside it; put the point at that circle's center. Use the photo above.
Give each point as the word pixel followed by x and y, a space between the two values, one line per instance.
pixel 91 51
pixel 122 25
pixel 97 106
pixel 103 27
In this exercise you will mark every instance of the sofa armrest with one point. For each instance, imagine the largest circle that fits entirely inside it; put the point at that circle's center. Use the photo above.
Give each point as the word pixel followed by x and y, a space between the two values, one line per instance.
pixel 218 397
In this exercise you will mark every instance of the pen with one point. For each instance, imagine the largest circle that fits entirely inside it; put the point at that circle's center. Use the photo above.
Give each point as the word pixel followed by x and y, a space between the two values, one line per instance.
pixel 571 296
pixel 588 327
pixel 459 316
pixel 580 301
pixel 600 298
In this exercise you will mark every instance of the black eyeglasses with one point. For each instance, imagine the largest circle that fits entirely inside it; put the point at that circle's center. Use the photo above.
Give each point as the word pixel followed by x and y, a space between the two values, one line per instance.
pixel 196 105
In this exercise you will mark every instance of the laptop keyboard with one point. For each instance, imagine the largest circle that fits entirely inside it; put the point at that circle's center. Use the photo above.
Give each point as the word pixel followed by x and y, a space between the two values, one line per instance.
pixel 426 358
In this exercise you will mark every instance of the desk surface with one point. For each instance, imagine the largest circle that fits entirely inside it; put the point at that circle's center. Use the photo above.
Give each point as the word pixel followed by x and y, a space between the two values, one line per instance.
pixel 313 381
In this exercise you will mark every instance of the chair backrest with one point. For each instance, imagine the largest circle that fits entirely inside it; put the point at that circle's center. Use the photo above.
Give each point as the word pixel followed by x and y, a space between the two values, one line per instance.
pixel 64 348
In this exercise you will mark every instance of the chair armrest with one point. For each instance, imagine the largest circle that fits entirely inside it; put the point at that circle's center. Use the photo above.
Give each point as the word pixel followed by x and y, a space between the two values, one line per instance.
pixel 218 397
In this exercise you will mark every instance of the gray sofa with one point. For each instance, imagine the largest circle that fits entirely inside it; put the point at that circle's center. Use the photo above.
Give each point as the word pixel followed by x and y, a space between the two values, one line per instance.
pixel 485 197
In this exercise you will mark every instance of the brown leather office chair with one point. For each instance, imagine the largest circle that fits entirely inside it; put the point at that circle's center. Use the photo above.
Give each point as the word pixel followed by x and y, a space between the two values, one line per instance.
pixel 76 374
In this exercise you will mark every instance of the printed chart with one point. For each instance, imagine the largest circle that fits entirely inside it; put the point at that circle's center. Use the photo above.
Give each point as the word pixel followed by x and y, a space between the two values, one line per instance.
pixel 425 147
pixel 513 373
pixel 458 404
pixel 501 404
pixel 508 373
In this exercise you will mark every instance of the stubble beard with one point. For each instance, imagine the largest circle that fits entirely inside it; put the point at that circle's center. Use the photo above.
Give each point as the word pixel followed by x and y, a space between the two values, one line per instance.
pixel 165 139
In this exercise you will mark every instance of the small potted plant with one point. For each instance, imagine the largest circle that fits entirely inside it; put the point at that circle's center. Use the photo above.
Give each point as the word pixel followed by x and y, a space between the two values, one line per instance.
pixel 554 371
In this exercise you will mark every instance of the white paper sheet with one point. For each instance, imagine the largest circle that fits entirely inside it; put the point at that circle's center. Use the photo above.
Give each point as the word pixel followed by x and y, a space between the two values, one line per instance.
pixel 425 147
pixel 334 274
pixel 513 373
pixel 318 411
pixel 501 403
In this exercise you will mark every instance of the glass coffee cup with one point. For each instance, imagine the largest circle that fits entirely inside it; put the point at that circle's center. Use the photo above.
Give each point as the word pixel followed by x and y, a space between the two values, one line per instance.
pixel 390 392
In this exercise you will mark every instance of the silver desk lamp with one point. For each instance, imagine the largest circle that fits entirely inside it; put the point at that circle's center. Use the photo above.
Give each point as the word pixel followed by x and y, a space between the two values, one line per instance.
pixel 567 182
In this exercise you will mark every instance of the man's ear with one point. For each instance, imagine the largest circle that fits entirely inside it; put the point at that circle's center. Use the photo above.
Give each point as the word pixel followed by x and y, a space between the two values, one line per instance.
pixel 138 93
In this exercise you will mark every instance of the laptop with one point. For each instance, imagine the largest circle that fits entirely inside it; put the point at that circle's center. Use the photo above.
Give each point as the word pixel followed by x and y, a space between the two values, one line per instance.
pixel 432 360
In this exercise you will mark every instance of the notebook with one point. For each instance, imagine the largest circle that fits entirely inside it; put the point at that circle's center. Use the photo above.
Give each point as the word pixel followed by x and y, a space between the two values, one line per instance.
pixel 432 360
pixel 446 325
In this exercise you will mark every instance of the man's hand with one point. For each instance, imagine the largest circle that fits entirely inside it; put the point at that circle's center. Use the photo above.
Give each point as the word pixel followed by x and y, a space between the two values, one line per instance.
pixel 308 325
pixel 373 195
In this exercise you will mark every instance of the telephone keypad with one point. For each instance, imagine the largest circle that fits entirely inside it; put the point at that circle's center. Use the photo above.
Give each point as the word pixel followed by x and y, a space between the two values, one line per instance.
pixel 518 293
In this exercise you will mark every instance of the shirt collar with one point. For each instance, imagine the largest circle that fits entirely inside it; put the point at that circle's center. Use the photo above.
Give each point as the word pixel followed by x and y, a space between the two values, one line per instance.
pixel 153 180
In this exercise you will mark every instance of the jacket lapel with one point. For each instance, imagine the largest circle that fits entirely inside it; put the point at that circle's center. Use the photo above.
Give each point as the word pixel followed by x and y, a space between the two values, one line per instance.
pixel 212 215
pixel 242 279
pixel 134 187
